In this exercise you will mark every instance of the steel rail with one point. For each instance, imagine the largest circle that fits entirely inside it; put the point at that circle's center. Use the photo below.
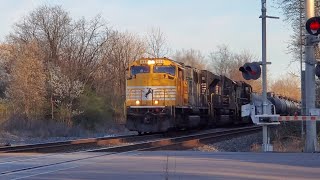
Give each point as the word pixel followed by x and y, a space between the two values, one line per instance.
pixel 89 142
pixel 200 141
pixel 182 140
pixel 151 145
pixel 58 146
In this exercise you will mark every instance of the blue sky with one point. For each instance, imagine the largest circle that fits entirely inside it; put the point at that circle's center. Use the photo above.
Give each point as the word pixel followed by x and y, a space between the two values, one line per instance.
pixel 197 24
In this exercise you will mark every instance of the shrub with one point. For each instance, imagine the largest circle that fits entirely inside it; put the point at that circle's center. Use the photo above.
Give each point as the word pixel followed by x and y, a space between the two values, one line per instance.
pixel 93 111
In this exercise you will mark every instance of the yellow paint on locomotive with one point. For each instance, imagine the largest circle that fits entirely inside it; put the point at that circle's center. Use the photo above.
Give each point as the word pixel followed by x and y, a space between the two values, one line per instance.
pixel 156 82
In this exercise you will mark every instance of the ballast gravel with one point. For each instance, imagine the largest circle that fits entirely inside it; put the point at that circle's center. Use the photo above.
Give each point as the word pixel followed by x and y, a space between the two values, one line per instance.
pixel 247 143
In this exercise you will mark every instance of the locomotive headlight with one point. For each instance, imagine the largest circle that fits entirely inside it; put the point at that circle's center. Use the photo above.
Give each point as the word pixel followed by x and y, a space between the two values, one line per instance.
pixel 137 102
pixel 156 102
pixel 151 62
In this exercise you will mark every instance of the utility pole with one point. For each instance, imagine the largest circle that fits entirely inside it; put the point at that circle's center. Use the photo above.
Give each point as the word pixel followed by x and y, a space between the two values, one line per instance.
pixel 311 133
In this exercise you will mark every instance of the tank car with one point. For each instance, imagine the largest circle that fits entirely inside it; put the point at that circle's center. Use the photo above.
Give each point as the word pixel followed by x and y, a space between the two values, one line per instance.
pixel 283 105
pixel 162 94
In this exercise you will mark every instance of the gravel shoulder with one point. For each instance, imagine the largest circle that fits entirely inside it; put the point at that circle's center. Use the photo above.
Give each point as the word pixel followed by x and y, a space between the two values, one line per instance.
pixel 246 143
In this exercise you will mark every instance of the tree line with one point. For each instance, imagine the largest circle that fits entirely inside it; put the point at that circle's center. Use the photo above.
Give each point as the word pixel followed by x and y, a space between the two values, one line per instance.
pixel 55 68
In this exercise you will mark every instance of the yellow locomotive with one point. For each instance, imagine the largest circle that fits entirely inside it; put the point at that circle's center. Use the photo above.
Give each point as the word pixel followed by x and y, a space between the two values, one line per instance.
pixel 162 94
pixel 156 82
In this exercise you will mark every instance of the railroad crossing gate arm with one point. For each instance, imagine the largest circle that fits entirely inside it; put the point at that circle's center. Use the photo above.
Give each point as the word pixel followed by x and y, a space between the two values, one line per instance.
pixel 314 115
pixel 299 118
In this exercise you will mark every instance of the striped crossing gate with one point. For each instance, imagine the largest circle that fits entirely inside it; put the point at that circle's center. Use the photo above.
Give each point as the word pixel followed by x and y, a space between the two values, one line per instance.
pixel 299 118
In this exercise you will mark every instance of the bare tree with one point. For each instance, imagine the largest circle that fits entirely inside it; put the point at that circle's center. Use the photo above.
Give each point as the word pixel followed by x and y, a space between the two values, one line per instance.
pixel 225 62
pixel 124 48
pixel 83 49
pixel 191 57
pixel 287 86
pixel 294 13
pixel 221 60
pixel 157 45
pixel 48 26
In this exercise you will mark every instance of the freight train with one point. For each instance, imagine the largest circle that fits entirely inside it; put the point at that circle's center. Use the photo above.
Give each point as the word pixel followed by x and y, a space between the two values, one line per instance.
pixel 163 95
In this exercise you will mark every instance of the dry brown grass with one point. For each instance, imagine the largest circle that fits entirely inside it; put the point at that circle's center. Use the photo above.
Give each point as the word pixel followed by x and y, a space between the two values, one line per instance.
pixel 286 137
pixel 255 148
pixel 23 127
pixel 288 144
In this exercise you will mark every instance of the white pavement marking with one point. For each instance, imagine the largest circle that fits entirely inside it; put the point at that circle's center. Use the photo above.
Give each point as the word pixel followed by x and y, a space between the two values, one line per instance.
pixel 15 159
pixel 40 157
pixel 46 172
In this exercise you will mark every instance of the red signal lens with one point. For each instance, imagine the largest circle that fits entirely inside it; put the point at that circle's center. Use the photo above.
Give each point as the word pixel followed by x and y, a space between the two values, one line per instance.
pixel 253 72
pixel 315 25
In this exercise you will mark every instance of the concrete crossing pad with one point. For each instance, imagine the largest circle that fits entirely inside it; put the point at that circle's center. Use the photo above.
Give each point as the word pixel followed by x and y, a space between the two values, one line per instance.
pixel 176 165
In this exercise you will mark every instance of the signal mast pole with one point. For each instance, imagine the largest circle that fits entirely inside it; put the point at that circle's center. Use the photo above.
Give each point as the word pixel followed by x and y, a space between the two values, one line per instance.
pixel 265 105
pixel 266 146
pixel 265 133
pixel 264 56
pixel 311 133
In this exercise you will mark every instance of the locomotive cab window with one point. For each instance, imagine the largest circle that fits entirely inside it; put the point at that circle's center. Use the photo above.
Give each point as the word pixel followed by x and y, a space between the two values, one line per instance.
pixel 165 69
pixel 139 69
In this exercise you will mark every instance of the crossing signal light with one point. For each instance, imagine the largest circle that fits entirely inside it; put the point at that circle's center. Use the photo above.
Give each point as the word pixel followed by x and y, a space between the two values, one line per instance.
pixel 251 71
pixel 313 26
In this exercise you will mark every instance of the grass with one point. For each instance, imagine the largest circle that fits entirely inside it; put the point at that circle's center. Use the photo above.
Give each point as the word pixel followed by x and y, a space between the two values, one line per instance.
pixel 288 144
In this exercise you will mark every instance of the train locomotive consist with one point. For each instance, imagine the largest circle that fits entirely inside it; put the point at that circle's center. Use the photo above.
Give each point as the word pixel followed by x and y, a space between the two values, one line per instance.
pixel 163 95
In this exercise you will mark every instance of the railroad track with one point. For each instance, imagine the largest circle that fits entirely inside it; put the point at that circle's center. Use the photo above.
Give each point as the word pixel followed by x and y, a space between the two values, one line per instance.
pixel 181 142
pixel 86 144
pixel 74 145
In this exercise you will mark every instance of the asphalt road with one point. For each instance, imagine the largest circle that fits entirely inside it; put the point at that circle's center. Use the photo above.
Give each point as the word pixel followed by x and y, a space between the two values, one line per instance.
pixel 171 165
